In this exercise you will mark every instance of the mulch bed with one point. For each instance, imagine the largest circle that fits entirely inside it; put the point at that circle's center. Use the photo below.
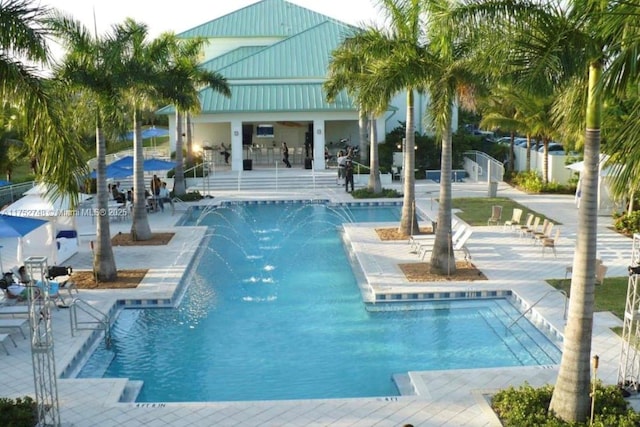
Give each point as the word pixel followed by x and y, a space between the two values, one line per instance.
pixel 127 279
pixel 157 239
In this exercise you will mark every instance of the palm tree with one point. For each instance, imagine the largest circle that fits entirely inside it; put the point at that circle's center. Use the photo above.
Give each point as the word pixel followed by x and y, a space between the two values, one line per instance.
pixel 93 66
pixel 348 71
pixel 182 79
pixel 25 29
pixel 552 44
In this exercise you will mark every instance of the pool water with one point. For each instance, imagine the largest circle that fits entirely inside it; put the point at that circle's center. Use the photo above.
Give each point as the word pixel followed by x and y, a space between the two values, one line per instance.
pixel 273 311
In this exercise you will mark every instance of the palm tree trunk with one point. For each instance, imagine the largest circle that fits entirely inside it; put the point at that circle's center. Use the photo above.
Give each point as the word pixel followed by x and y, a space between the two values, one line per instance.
pixel 570 400
pixel 104 264
pixel 140 229
pixel 374 171
pixel 179 188
pixel 409 219
pixel 362 130
pixel 189 141
pixel 442 257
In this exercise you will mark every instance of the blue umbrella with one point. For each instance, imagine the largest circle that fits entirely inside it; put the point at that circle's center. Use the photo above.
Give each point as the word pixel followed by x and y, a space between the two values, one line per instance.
pixel 114 171
pixel 17 226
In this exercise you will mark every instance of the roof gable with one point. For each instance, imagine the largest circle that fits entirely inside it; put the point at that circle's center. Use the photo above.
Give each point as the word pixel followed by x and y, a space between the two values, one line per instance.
pixel 267 18
pixel 303 56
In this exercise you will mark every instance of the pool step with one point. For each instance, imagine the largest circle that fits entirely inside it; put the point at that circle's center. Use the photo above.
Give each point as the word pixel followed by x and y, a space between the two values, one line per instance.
pixel 403 384
pixel 131 391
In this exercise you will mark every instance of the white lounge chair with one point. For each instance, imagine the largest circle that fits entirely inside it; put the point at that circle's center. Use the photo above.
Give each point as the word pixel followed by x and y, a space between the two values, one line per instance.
pixel 416 240
pixel 424 244
pixel 459 245
pixel 3 337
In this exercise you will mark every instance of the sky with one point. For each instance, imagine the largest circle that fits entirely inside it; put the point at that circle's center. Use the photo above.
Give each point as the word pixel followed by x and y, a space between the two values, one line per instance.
pixel 182 15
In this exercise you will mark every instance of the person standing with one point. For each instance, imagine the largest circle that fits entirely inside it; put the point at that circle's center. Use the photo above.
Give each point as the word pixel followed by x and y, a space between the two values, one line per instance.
pixel 342 163
pixel 348 171
pixel 285 154
pixel 225 153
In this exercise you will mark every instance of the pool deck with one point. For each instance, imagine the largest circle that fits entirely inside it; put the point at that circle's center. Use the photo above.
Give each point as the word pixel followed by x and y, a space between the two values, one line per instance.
pixel 445 398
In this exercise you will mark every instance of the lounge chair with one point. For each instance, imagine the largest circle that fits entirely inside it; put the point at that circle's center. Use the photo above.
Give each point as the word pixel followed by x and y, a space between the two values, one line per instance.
pixel 514 221
pixel 424 245
pixel 416 240
pixel 459 245
pixel 496 215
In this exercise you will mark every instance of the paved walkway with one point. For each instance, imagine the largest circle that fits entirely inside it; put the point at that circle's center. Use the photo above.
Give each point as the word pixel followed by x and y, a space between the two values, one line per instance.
pixel 445 398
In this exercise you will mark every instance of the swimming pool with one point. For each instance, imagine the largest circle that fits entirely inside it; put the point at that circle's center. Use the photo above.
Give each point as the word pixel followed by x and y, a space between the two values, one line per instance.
pixel 273 311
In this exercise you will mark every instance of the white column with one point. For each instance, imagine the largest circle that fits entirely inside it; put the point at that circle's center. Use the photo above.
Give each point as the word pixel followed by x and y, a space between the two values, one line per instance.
pixel 236 145
pixel 318 145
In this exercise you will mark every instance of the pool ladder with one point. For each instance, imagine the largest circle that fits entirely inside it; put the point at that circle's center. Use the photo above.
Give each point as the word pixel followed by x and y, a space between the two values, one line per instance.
pixel 99 320
pixel 536 303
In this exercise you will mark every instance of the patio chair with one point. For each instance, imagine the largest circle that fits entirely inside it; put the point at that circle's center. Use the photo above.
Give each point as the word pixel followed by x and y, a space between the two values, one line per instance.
pixel 551 242
pixel 601 271
pixel 527 224
pixel 545 233
pixel 515 219
pixel 531 229
pixel 496 215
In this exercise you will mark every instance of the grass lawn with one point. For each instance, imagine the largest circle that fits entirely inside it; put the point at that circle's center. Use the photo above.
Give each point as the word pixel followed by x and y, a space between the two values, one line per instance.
pixel 611 296
pixel 476 210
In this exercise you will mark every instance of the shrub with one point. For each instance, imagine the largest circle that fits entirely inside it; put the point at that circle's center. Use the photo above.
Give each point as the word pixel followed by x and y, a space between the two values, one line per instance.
pixel 627 223
pixel 191 196
pixel 19 413
pixel 365 193
pixel 528 406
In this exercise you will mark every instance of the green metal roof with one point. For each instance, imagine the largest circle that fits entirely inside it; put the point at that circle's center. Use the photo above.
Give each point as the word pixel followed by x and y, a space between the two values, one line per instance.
pixel 267 18
pixel 304 55
pixel 259 97
pixel 230 57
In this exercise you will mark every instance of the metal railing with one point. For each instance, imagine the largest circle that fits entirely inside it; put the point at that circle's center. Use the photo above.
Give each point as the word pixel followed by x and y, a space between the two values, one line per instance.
pixel 11 193
pixel 482 167
pixel 99 319
pixel 524 313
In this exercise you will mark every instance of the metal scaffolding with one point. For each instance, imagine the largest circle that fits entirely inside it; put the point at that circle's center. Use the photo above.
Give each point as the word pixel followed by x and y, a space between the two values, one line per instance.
pixel 629 367
pixel 44 366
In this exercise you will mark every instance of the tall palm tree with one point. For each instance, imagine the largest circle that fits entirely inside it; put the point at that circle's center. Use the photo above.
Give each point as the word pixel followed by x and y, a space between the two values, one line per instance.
pixel 182 81
pixel 93 65
pixel 348 71
pixel 25 30
pixel 555 43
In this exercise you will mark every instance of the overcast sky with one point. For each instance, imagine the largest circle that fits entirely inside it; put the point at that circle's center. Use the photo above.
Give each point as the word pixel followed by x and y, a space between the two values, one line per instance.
pixel 182 15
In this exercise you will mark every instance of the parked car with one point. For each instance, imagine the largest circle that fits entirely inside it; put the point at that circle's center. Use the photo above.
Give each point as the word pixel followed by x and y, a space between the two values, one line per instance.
pixel 554 149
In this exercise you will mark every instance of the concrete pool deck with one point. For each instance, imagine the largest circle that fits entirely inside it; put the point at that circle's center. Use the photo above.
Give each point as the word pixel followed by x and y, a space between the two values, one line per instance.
pixel 446 398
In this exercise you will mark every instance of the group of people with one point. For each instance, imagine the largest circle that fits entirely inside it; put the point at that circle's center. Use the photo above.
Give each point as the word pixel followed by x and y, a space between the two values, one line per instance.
pixel 160 193
pixel 15 286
